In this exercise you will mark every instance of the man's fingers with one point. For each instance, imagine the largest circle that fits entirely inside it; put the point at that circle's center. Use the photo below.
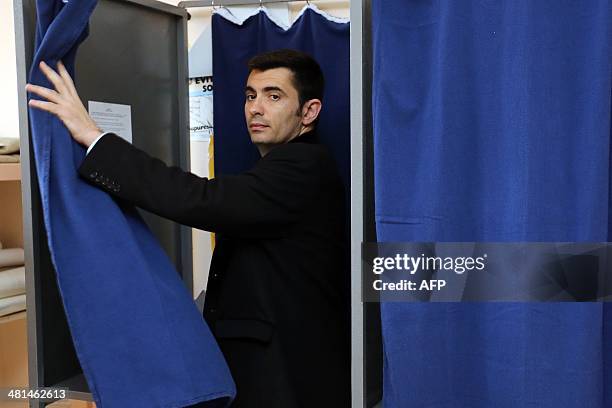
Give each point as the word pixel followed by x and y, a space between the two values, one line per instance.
pixel 67 79
pixel 53 77
pixel 46 93
pixel 46 106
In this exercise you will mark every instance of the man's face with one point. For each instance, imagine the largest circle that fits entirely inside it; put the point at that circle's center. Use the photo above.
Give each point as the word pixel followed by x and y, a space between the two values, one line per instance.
pixel 272 108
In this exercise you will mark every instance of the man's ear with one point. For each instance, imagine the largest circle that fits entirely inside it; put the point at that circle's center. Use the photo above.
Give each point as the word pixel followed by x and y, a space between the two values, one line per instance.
pixel 310 111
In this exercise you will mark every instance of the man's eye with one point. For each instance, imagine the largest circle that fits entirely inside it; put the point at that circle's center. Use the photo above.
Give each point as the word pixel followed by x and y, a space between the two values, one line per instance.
pixel 250 97
pixel 275 97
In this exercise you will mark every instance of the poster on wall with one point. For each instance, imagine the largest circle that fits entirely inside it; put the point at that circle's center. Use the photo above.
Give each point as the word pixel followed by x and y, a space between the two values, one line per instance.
pixel 201 108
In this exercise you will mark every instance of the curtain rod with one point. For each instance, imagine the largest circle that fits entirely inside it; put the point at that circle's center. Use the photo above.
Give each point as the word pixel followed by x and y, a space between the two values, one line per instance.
pixel 209 3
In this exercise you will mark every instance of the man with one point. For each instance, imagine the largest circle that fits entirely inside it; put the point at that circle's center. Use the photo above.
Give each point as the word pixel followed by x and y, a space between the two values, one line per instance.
pixel 277 295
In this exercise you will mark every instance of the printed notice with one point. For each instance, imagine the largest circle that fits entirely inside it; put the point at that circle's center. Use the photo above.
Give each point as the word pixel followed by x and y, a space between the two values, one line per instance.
pixel 201 108
pixel 112 117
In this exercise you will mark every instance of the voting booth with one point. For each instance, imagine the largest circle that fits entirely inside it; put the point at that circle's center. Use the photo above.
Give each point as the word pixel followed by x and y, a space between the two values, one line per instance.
pixel 135 65
pixel 132 72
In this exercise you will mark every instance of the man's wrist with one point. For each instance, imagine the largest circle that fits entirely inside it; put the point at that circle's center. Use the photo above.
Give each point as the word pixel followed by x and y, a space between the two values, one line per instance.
pixel 91 136
pixel 93 143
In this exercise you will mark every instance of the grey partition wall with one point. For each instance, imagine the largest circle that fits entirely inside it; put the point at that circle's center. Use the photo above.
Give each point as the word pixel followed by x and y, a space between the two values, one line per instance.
pixel 136 55
pixel 131 57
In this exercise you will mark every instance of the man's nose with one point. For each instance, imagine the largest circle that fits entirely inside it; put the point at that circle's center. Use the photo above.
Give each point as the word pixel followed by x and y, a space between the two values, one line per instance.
pixel 255 107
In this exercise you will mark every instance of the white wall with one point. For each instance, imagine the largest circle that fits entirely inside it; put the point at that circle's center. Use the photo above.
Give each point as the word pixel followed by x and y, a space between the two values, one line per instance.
pixel 9 120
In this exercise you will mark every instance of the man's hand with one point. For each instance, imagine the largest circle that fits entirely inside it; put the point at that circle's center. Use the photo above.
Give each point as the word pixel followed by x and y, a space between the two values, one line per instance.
pixel 64 102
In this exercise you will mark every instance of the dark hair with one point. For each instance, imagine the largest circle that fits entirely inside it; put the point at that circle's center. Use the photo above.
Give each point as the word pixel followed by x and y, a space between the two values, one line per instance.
pixel 307 74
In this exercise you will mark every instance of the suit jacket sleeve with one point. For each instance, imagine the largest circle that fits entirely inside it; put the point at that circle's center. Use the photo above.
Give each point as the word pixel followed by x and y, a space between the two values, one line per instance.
pixel 262 202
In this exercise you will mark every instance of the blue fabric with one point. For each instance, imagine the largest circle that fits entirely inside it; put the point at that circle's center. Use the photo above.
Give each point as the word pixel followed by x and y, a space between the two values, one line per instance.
pixel 138 335
pixel 234 45
pixel 492 123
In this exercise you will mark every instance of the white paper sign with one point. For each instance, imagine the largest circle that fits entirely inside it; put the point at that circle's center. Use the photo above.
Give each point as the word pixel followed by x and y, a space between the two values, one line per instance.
pixel 201 108
pixel 112 117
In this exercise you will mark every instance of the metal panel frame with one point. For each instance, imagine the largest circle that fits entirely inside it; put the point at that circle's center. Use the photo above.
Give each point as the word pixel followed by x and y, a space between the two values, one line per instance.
pixel 31 210
pixel 357 208
pixel 159 6
pixel 186 266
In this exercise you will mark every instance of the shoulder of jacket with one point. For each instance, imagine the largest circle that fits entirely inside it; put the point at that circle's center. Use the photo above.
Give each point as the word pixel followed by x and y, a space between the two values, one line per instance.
pixel 300 151
pixel 308 160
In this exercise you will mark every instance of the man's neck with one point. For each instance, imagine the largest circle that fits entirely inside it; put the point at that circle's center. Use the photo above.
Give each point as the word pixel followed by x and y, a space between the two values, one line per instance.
pixel 265 148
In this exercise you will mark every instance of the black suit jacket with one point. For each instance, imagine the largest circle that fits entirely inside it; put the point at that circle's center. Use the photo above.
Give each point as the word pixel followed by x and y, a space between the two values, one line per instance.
pixel 277 299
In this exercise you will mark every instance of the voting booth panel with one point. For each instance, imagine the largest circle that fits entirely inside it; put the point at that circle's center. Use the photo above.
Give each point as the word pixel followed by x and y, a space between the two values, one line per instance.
pixel 133 68
pixel 135 56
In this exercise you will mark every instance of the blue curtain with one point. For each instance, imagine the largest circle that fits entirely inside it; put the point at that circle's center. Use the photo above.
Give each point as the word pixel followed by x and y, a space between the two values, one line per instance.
pixel 138 335
pixel 234 45
pixel 492 123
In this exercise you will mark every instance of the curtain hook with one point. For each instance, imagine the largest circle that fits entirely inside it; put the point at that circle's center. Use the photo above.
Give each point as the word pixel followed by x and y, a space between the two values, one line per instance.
pixel 220 7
